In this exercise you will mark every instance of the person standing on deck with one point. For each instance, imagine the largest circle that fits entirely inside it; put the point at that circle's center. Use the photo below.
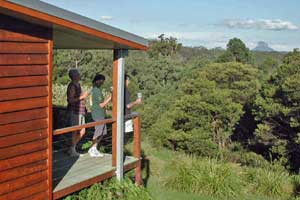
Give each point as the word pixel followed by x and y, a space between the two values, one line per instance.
pixel 98 113
pixel 76 108
pixel 128 105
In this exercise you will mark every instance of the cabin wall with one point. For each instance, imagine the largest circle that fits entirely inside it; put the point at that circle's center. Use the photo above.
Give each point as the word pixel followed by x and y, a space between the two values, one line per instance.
pixel 25 117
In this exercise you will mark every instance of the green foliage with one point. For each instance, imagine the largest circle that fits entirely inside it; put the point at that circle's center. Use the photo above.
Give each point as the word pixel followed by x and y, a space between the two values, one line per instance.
pixel 225 180
pixel 194 105
pixel 208 177
pixel 277 111
pixel 270 182
pixel 268 66
pixel 236 52
pixel 59 96
pixel 206 108
pixel 89 62
pixel 296 184
pixel 164 47
pixel 194 54
pixel 112 189
pixel 252 159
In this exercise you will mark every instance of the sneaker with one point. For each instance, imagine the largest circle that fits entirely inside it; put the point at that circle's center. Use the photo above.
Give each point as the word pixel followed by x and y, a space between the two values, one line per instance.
pixel 99 153
pixel 94 152
pixel 73 153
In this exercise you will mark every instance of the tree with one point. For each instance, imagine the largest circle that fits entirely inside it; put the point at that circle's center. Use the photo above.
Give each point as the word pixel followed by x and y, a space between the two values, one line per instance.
pixel 164 47
pixel 236 52
pixel 277 110
pixel 207 108
pixel 268 66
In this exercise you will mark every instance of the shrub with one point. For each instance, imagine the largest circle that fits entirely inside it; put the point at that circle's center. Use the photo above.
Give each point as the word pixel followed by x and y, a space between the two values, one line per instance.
pixel 112 189
pixel 269 181
pixel 206 177
pixel 252 159
pixel 296 185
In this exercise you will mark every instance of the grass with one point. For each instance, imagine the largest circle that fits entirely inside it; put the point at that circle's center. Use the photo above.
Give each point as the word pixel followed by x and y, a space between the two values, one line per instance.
pixel 275 183
pixel 206 176
pixel 179 176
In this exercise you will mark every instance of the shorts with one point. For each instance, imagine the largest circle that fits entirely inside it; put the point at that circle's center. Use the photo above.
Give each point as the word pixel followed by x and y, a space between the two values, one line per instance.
pixel 100 130
pixel 129 126
pixel 76 119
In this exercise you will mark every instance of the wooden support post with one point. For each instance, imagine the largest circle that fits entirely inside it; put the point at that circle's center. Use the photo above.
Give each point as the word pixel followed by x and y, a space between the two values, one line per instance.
pixel 114 107
pixel 118 112
pixel 137 149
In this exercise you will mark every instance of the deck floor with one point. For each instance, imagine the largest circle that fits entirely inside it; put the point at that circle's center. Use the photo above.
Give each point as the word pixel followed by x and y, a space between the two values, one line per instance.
pixel 68 171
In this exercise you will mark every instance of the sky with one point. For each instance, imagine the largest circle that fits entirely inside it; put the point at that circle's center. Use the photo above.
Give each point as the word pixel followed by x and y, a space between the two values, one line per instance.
pixel 209 23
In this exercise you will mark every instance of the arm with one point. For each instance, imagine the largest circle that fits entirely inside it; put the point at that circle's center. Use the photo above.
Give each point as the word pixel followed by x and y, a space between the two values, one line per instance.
pixel 105 102
pixel 132 104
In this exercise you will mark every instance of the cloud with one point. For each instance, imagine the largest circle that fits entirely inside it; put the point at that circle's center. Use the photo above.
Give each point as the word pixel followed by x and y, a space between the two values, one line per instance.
pixel 205 38
pixel 106 18
pixel 211 39
pixel 265 24
pixel 193 36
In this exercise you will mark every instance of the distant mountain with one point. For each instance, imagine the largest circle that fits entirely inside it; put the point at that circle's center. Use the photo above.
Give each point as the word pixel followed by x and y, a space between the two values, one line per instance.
pixel 218 49
pixel 263 46
pixel 200 47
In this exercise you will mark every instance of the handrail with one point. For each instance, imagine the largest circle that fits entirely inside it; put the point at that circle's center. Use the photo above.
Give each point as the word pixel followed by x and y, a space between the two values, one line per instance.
pixel 91 124
pixel 79 127
pixel 132 115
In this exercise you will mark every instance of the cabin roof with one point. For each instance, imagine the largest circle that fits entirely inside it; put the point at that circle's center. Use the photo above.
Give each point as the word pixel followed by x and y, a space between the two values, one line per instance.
pixel 71 30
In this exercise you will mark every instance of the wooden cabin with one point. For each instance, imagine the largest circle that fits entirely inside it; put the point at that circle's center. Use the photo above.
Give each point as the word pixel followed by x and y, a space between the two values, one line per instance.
pixel 29 31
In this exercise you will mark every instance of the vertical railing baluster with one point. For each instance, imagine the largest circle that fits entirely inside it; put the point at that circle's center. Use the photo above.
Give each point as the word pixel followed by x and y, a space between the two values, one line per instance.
pixel 137 149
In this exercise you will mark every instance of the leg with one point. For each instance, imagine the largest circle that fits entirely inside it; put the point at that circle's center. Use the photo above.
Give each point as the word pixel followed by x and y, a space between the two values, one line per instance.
pixel 76 119
pixel 95 141
pixel 76 136
pixel 100 131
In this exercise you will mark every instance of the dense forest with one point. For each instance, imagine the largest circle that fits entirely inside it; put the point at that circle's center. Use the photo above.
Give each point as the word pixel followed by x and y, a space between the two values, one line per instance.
pixel 216 124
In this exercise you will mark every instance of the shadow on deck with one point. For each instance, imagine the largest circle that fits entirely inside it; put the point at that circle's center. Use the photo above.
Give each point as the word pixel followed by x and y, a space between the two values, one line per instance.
pixel 74 173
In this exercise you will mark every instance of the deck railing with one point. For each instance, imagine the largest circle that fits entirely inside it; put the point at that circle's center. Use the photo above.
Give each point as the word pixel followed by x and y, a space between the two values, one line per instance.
pixel 136 138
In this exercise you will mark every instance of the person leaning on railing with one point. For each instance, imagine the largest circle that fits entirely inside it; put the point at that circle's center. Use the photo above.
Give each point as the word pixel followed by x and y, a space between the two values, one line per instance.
pixel 98 113
pixel 76 108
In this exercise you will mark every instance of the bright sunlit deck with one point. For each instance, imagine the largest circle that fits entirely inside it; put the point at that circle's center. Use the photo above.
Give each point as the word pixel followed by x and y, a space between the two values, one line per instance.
pixel 70 173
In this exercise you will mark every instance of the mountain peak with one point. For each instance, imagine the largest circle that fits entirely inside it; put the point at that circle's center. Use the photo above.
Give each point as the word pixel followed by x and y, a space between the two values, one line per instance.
pixel 263 46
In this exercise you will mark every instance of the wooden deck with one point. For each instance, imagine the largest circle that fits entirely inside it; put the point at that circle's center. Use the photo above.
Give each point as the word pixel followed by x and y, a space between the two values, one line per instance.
pixel 74 173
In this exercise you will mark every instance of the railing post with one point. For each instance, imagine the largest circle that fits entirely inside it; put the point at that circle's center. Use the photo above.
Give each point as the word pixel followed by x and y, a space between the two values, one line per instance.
pixel 137 149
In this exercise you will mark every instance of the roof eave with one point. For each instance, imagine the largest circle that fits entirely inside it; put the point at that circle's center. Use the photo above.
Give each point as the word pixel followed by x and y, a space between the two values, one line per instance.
pixel 141 44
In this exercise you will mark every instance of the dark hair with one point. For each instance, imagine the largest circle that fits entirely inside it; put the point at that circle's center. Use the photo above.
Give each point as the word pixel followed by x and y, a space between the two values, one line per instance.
pixel 98 77
pixel 72 72
pixel 127 77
